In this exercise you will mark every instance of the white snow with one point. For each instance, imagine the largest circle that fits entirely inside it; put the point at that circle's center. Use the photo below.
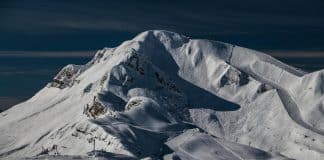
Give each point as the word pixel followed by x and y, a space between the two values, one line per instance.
pixel 164 95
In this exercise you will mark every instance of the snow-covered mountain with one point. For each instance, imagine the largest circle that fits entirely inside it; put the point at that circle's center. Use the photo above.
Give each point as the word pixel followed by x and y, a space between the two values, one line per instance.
pixel 164 95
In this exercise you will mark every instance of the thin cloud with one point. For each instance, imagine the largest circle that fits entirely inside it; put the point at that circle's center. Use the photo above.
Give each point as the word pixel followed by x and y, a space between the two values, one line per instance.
pixel 47 53
pixel 296 54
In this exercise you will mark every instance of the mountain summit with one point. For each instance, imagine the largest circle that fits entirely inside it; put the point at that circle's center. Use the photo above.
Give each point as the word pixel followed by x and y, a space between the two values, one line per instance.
pixel 162 95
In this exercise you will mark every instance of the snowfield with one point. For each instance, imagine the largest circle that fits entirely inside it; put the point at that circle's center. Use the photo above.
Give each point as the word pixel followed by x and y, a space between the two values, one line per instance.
pixel 162 95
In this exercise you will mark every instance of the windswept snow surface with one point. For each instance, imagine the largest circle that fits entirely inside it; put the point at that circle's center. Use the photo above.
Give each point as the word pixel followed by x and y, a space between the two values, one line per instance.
pixel 162 95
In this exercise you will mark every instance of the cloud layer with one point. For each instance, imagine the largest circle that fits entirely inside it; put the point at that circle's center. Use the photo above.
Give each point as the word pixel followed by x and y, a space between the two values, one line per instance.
pixel 88 25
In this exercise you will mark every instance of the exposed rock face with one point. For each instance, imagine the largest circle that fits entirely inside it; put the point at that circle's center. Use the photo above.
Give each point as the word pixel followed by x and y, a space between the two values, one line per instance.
pixel 66 77
pixel 163 95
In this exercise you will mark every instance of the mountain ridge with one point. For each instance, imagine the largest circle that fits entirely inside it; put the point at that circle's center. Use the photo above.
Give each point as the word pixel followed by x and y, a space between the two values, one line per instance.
pixel 141 98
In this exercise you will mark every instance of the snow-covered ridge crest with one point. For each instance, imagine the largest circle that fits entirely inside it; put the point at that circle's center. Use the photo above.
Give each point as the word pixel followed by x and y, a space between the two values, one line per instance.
pixel 164 95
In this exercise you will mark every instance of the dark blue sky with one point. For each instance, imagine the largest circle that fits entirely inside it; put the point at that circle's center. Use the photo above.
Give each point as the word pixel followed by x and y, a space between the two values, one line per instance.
pixel 67 25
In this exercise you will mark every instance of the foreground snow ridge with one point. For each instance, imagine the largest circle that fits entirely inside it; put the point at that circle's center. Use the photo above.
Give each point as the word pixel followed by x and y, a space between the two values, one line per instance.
pixel 162 95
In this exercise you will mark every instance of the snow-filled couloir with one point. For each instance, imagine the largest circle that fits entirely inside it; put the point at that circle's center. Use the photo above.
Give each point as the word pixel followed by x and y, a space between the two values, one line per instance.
pixel 164 95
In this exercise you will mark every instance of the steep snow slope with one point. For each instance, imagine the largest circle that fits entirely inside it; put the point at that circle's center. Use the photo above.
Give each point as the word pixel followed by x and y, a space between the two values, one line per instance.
pixel 164 95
